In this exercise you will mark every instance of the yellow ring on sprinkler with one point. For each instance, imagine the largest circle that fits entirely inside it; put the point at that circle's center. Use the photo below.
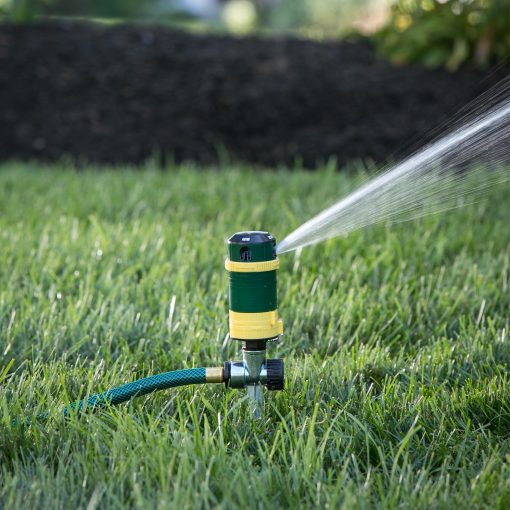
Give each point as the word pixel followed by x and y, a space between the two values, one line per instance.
pixel 254 326
pixel 252 267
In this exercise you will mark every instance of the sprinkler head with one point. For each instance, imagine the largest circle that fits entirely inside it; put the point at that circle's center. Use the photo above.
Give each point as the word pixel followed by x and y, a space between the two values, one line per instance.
pixel 253 314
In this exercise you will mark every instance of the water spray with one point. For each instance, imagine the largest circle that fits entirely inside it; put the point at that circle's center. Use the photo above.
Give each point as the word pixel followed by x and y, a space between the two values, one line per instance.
pixel 464 163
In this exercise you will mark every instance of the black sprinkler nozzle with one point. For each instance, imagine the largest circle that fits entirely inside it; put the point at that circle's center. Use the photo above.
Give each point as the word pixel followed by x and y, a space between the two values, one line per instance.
pixel 275 375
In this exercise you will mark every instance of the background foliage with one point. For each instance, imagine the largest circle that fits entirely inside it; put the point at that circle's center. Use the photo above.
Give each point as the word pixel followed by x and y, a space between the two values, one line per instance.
pixel 434 33
pixel 447 32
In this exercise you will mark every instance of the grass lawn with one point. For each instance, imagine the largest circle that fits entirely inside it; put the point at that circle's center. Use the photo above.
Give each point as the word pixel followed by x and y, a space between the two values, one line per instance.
pixel 396 346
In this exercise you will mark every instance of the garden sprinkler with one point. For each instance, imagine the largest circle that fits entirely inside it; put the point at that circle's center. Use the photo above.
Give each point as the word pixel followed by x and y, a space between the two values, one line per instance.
pixel 253 320
pixel 253 315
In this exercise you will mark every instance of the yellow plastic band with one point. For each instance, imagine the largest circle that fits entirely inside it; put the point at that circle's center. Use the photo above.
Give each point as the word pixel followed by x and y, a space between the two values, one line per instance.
pixel 254 326
pixel 252 267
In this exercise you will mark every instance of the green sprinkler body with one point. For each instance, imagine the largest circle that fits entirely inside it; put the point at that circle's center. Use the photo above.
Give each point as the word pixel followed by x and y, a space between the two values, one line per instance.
pixel 252 265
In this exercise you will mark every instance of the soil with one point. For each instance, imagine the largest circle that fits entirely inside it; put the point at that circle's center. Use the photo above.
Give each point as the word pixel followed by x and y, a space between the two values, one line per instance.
pixel 124 94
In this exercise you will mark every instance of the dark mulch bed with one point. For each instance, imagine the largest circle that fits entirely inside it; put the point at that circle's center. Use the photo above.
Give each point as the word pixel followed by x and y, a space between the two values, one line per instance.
pixel 125 94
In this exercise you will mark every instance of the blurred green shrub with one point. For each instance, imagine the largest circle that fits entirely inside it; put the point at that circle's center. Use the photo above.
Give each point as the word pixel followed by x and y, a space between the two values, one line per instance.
pixel 448 33
pixel 22 11
pixel 328 18
pixel 99 8
pixel 28 10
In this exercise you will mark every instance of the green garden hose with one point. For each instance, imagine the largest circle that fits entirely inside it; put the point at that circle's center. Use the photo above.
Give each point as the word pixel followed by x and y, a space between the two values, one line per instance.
pixel 147 385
